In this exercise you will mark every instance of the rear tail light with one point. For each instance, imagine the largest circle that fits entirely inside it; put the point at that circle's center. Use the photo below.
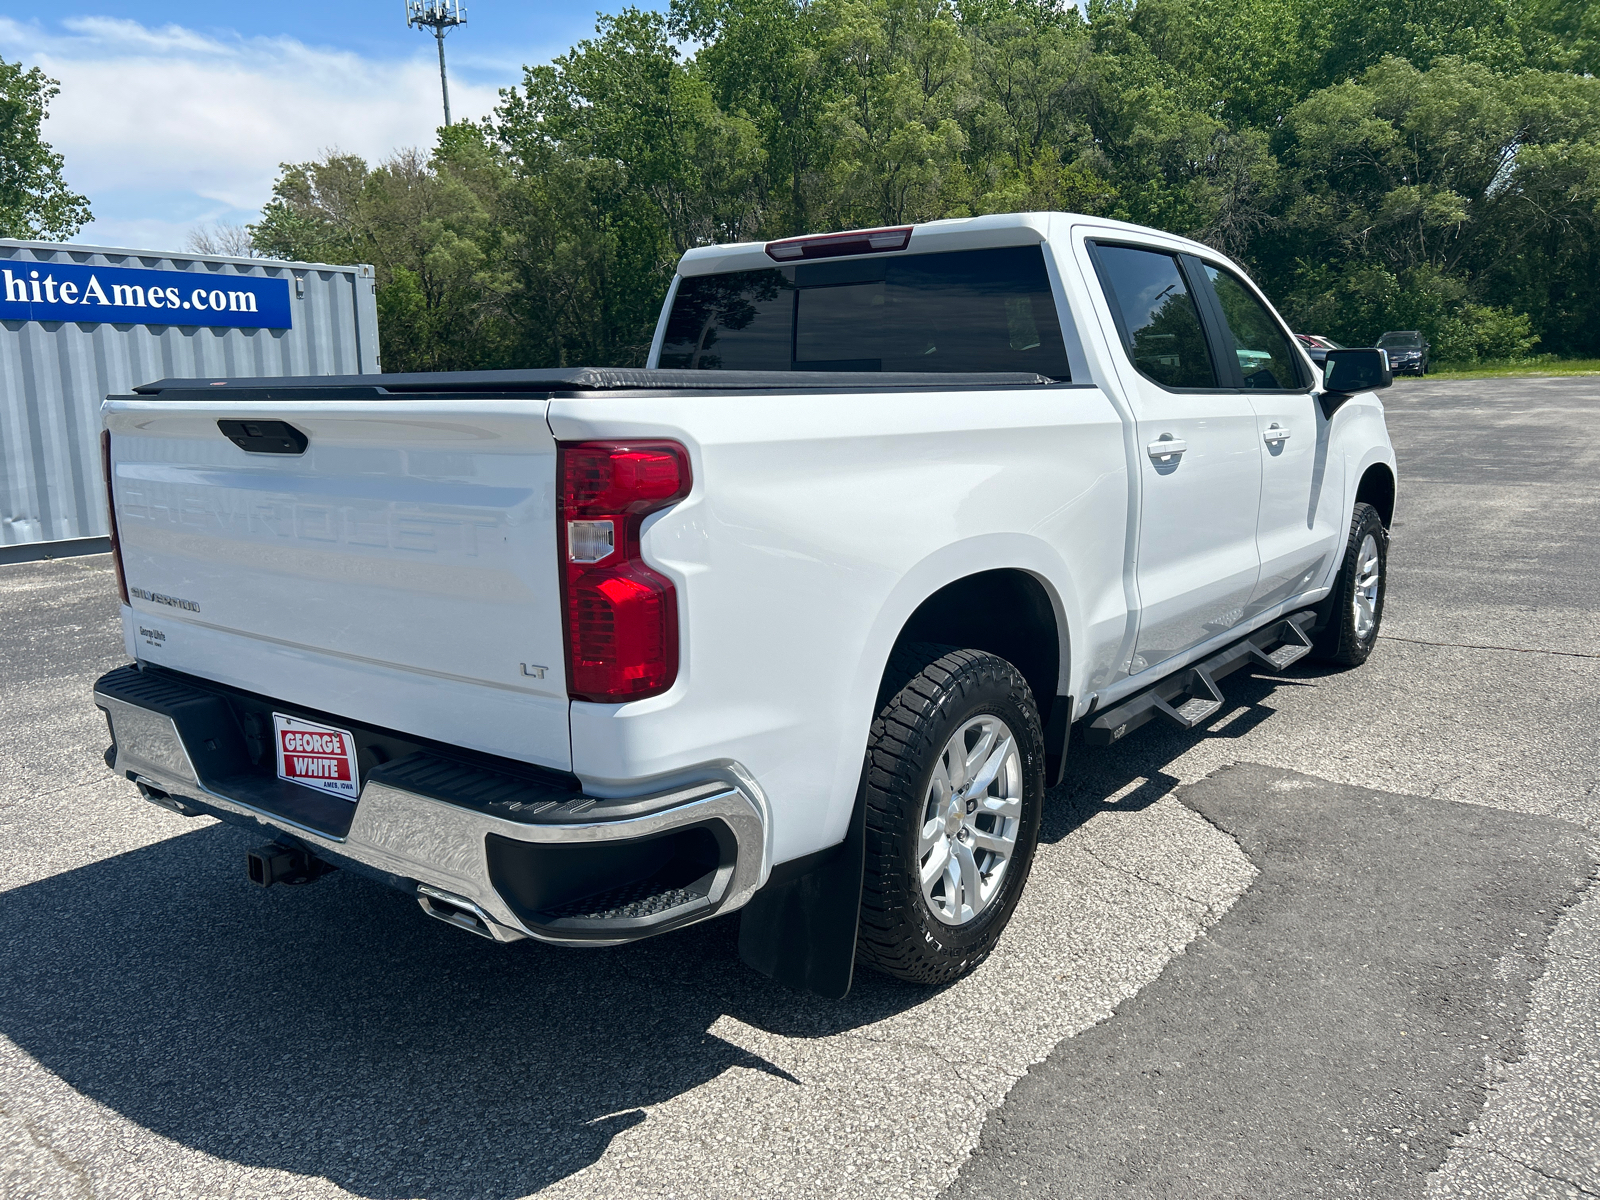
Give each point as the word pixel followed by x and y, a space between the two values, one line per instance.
pixel 111 514
pixel 837 245
pixel 621 617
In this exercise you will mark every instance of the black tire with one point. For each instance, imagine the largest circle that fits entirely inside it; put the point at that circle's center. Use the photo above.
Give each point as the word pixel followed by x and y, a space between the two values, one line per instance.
pixel 1343 640
pixel 943 689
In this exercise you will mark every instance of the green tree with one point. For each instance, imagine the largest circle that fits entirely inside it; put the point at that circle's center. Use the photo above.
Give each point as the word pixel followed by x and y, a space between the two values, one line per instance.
pixel 432 228
pixel 1248 62
pixel 763 61
pixel 1424 164
pixel 902 88
pixel 35 201
pixel 1423 192
pixel 1031 144
pixel 627 98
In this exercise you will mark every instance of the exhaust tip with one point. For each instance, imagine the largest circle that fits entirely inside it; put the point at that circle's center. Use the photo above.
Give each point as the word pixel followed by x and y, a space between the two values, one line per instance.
pixel 462 913
pixel 163 799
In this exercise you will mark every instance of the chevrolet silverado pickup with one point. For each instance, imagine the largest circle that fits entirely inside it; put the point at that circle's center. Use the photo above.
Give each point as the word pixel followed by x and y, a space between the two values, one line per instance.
pixel 797 620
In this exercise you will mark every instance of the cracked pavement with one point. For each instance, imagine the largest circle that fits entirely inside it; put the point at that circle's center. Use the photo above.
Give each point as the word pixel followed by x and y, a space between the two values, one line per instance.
pixel 1484 691
pixel 1330 1034
pixel 165 1029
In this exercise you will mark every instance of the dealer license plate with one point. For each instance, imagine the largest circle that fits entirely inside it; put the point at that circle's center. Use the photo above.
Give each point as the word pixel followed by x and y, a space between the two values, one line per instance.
pixel 316 756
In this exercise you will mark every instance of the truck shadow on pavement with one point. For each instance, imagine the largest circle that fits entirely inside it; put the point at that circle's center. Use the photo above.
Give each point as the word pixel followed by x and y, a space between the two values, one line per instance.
pixel 334 1031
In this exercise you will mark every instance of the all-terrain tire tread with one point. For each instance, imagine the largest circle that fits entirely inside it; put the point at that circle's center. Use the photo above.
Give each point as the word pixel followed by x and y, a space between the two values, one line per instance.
pixel 1337 642
pixel 929 677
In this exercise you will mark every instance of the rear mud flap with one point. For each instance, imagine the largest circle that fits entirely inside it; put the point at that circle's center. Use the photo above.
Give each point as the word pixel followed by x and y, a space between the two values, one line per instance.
pixel 800 929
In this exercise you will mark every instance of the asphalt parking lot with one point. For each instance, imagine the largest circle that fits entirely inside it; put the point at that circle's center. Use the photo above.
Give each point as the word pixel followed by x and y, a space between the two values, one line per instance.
pixel 1340 942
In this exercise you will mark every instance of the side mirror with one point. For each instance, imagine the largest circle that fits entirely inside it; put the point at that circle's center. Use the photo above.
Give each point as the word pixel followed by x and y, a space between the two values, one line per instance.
pixel 1346 372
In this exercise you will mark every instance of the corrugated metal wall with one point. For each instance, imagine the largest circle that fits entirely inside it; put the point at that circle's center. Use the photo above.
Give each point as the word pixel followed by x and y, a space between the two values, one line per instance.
pixel 54 374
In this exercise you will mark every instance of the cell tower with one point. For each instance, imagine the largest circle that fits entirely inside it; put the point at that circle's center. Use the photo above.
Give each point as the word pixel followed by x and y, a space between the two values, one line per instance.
pixel 441 16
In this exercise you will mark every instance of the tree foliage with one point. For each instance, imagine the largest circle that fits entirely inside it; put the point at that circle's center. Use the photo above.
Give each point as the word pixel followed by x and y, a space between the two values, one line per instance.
pixel 1417 164
pixel 35 201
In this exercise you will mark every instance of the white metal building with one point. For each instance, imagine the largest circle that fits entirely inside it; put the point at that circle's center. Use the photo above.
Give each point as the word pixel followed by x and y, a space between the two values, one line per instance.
pixel 78 323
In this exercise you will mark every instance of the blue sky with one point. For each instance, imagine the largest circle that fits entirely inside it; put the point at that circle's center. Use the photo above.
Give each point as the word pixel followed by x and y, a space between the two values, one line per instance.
pixel 499 35
pixel 177 115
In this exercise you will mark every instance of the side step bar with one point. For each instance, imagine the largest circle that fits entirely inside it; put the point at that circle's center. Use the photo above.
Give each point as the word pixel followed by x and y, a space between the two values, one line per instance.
pixel 1191 697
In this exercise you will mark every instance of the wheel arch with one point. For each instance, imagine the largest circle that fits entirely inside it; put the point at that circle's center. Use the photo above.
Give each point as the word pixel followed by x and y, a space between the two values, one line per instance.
pixel 1377 488
pixel 1004 611
pixel 924 596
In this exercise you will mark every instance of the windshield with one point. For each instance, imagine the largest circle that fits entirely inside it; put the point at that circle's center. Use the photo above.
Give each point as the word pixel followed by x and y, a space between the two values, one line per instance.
pixel 1402 340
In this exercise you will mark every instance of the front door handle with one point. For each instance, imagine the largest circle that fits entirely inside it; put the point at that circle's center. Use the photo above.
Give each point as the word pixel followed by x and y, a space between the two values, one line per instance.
pixel 1276 433
pixel 1166 448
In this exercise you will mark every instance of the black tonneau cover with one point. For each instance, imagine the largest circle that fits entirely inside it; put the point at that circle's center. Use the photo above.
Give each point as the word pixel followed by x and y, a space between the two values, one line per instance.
pixel 579 379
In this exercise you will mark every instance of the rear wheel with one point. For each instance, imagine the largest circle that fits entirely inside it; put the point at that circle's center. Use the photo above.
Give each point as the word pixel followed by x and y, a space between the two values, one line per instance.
pixel 1357 600
pixel 954 789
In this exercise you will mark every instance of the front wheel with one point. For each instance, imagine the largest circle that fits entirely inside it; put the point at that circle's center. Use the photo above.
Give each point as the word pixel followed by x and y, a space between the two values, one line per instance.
pixel 954 788
pixel 1357 600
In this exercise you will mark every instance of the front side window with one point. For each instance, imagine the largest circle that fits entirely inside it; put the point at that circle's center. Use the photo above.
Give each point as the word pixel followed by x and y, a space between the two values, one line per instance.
pixel 1156 316
pixel 1266 356
pixel 966 310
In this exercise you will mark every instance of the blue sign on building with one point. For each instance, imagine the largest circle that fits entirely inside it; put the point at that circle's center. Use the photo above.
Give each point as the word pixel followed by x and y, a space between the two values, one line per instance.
pixel 39 291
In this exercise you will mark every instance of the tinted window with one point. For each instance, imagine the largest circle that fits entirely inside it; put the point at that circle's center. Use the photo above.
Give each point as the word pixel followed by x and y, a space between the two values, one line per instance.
pixel 742 321
pixel 1411 340
pixel 969 310
pixel 842 328
pixel 1156 316
pixel 1265 355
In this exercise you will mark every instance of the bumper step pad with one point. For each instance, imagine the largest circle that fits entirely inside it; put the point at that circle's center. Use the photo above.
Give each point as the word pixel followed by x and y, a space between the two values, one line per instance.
pixel 646 898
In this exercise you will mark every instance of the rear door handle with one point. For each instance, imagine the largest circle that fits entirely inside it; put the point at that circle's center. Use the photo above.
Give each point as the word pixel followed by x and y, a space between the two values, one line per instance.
pixel 1276 433
pixel 1166 448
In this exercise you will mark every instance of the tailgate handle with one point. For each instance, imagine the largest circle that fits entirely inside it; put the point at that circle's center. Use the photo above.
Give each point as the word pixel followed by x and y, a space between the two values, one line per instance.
pixel 265 437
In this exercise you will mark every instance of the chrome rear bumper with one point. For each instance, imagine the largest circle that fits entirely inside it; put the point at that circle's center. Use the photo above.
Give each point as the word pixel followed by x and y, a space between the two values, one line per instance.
pixel 480 864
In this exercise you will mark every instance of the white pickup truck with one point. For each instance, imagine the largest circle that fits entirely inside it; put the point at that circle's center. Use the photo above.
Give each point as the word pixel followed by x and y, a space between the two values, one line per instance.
pixel 798 620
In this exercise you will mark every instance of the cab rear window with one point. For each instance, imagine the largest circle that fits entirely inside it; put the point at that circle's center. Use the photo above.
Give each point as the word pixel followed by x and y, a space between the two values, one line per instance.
pixel 966 310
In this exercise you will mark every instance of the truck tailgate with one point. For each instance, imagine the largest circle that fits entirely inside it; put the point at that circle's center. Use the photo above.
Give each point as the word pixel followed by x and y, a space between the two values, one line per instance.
pixel 400 571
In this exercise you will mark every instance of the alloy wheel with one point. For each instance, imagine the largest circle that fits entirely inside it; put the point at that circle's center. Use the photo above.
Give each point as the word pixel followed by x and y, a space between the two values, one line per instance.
pixel 1369 577
pixel 970 820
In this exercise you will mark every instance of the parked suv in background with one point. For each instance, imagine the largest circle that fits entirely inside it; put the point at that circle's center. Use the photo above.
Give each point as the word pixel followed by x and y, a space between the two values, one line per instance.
pixel 796 621
pixel 1408 352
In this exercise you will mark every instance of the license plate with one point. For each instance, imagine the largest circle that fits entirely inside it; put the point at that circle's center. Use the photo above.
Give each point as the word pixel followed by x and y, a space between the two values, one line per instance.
pixel 316 756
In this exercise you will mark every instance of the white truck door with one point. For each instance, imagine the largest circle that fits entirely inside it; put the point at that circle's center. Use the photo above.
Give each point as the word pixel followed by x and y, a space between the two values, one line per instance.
pixel 1199 460
pixel 1302 489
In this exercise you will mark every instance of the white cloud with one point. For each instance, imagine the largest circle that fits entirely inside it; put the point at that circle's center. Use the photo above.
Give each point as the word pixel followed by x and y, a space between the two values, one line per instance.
pixel 166 127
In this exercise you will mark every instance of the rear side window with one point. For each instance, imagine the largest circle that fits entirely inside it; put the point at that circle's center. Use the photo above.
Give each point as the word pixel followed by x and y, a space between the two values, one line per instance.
pixel 1156 316
pixel 1266 357
pixel 968 310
